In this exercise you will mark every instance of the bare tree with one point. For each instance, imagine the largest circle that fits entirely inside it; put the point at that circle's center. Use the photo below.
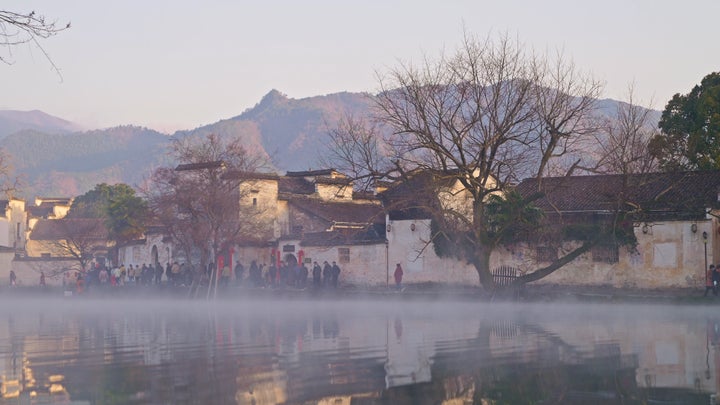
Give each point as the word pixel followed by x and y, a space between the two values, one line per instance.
pixel 477 121
pixel 624 143
pixel 356 149
pixel 198 204
pixel 565 105
pixel 27 28
pixel 79 238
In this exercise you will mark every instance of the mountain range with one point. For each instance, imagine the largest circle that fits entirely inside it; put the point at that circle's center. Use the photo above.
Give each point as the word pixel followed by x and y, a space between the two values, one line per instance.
pixel 54 157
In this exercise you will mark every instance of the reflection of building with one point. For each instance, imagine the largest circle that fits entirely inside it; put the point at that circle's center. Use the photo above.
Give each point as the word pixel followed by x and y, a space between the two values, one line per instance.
pixel 293 357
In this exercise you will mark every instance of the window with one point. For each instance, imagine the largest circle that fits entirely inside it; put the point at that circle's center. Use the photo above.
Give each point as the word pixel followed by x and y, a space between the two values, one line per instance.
pixel 606 253
pixel 344 255
pixel 546 254
pixel 254 202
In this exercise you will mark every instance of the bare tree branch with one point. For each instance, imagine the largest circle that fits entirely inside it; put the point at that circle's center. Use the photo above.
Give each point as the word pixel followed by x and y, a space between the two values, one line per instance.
pixel 27 28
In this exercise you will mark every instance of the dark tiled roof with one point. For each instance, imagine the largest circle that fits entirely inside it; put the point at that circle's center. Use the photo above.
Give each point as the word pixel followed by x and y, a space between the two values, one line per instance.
pixel 41 211
pixel 363 195
pixel 689 192
pixel 333 180
pixel 47 207
pixel 244 175
pixel 368 236
pixel 414 197
pixel 311 173
pixel 295 185
pixel 55 200
pixel 335 212
pixel 199 166
pixel 56 229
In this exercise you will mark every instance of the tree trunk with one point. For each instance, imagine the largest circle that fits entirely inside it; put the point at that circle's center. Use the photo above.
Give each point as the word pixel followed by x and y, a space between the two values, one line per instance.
pixel 545 271
pixel 481 261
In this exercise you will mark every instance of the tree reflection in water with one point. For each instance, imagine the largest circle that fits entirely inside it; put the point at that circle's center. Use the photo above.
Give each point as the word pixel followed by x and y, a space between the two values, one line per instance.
pixel 361 353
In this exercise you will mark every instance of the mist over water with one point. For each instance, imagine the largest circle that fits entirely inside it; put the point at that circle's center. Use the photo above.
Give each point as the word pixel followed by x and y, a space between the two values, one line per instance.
pixel 328 351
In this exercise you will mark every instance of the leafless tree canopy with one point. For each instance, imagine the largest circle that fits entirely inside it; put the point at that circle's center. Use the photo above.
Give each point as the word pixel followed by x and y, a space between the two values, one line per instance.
pixel 26 28
pixel 485 117
pixel 79 238
pixel 624 142
pixel 196 203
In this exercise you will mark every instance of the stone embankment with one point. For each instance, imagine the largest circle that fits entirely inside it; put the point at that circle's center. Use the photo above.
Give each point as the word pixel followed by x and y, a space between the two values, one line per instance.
pixel 530 293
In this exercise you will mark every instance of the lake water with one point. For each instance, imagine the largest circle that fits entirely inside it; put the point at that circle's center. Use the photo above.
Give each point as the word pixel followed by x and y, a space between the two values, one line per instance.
pixel 133 351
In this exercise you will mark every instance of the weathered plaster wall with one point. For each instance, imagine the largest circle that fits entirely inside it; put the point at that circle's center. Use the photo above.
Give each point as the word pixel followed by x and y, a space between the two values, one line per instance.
pixel 669 255
pixel 263 195
pixel 366 267
pixel 420 263
pixel 333 192
pixel 139 254
pixel 28 270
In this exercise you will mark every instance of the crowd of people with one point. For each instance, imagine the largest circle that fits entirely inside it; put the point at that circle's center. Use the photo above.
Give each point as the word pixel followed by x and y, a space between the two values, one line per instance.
pixel 295 275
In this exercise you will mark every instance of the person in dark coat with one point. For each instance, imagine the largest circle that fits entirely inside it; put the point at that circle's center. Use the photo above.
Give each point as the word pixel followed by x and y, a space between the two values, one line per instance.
pixel 317 275
pixel 239 272
pixel 327 274
pixel 335 274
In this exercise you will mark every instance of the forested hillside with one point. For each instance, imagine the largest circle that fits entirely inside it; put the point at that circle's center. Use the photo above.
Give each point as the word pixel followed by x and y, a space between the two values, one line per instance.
pixel 291 132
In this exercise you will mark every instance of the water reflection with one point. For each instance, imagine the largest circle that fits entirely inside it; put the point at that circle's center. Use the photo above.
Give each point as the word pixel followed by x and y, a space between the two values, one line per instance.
pixel 246 352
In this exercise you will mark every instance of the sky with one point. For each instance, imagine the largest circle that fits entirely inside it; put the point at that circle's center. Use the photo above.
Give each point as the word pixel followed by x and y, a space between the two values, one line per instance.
pixel 171 65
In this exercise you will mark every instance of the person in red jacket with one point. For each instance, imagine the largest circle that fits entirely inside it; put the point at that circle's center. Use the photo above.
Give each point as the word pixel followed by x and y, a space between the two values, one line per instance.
pixel 710 278
pixel 398 277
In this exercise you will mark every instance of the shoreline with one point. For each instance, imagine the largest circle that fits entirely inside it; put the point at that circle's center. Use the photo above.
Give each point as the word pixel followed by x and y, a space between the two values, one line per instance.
pixel 527 294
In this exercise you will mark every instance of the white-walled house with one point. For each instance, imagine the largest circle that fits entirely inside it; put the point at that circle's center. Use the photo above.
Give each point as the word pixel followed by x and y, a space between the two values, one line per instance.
pixel 674 219
pixel 315 216
pixel 675 222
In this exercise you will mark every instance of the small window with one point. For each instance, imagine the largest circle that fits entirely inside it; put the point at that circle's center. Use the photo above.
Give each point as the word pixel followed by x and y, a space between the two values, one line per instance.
pixel 546 254
pixel 344 255
pixel 254 202
pixel 606 253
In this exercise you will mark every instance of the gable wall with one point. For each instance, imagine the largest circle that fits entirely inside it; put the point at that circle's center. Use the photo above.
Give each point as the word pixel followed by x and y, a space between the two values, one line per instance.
pixel 330 192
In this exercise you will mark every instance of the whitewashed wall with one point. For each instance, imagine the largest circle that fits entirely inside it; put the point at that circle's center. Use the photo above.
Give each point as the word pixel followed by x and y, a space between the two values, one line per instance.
pixel 139 254
pixel 669 255
pixel 420 264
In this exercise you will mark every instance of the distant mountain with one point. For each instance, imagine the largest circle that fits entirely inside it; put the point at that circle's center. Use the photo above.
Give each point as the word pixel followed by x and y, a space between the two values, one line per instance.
pixel 292 132
pixel 14 121
pixel 68 165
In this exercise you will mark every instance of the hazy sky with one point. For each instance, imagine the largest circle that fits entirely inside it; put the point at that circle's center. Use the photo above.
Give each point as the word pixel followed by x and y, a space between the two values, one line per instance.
pixel 181 64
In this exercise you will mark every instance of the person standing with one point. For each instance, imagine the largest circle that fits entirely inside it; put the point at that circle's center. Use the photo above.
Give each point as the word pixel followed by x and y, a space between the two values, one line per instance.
pixel 13 278
pixel 710 281
pixel 335 274
pixel 398 277
pixel 225 276
pixel 327 274
pixel 42 279
pixel 317 275
pixel 239 271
